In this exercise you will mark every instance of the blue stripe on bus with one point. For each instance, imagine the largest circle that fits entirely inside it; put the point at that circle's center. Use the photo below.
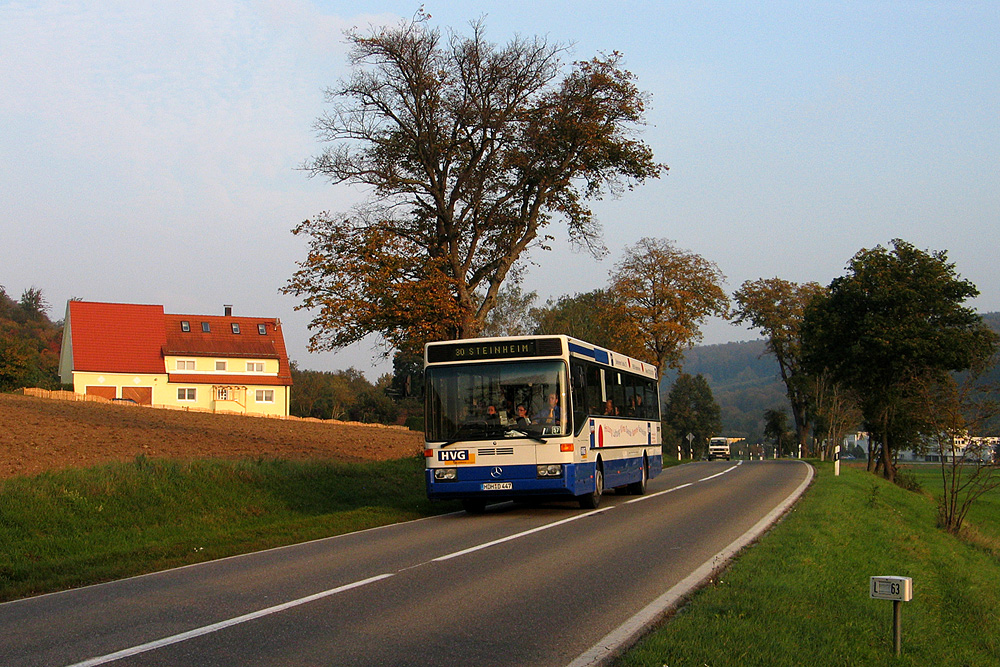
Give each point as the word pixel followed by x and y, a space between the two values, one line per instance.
pixel 597 354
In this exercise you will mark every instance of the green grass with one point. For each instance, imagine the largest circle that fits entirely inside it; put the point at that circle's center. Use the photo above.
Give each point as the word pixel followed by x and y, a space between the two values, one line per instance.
pixel 81 526
pixel 984 516
pixel 800 595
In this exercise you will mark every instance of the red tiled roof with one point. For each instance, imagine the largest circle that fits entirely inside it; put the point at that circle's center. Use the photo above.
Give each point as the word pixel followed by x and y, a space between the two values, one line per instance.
pixel 132 338
pixel 116 337
pixel 221 341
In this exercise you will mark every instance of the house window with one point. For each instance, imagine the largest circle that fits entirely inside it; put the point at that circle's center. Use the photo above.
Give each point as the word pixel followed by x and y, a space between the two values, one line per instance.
pixel 265 396
pixel 222 394
pixel 262 329
pixel 236 327
pixel 187 394
pixel 185 325
pixel 185 364
pixel 220 365
pixel 206 327
pixel 255 367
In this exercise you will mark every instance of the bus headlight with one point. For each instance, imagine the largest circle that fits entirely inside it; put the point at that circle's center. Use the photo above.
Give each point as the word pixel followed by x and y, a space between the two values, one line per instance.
pixel 445 474
pixel 550 470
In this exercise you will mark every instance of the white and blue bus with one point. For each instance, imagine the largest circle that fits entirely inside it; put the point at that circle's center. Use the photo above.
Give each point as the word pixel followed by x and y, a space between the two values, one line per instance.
pixel 537 416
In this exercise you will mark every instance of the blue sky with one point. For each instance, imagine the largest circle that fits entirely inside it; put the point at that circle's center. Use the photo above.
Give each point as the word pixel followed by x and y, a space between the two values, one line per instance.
pixel 148 151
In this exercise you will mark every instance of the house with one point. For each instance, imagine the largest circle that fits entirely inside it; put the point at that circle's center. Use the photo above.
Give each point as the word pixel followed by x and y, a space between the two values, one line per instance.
pixel 219 363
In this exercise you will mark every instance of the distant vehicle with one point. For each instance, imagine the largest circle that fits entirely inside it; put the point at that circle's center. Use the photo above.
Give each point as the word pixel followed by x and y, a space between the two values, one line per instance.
pixel 126 401
pixel 720 448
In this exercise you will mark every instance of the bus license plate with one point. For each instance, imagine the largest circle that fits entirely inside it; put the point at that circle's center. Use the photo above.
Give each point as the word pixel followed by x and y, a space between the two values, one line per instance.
pixel 497 486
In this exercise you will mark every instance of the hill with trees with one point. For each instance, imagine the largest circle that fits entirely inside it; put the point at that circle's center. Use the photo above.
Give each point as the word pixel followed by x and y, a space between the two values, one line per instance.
pixel 29 342
pixel 744 381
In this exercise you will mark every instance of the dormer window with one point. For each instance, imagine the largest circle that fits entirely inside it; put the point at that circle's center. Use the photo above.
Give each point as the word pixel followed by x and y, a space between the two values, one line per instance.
pixel 236 327
pixel 262 329
pixel 206 327
pixel 185 326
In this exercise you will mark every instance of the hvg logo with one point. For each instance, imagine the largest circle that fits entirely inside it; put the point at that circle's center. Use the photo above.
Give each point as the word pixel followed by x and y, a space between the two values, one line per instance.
pixel 455 456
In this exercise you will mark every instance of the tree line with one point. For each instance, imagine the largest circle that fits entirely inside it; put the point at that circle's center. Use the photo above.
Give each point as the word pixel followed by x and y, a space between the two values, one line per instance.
pixel 29 342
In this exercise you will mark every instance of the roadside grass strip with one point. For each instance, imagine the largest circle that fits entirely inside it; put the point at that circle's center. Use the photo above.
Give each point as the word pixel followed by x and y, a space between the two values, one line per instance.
pixel 800 596
pixel 83 526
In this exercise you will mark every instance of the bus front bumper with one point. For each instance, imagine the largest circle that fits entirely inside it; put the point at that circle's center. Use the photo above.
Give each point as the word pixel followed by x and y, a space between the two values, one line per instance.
pixel 510 481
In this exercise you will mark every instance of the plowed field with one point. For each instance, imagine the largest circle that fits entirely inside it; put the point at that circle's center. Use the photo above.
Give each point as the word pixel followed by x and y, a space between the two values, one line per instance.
pixel 39 434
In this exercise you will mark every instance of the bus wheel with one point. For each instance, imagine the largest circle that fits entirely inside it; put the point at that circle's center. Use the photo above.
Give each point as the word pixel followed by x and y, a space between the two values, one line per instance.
pixel 639 488
pixel 593 499
pixel 474 506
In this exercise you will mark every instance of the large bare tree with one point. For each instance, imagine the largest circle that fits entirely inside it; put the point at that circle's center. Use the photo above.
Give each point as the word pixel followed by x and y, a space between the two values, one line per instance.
pixel 468 152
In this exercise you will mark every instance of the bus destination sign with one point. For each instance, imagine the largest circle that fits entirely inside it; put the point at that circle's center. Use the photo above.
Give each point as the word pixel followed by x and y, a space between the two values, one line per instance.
pixel 485 350
pixel 474 351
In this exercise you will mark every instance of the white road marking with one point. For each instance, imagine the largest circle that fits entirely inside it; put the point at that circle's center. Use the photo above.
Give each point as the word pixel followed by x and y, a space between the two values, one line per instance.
pixel 516 536
pixel 215 627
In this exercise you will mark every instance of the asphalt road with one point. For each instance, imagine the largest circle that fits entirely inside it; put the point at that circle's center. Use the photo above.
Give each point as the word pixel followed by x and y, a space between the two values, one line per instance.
pixel 537 586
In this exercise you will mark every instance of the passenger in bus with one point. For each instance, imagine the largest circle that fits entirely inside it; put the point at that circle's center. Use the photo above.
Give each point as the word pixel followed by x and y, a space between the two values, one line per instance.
pixel 521 419
pixel 636 408
pixel 609 408
pixel 550 413
pixel 491 414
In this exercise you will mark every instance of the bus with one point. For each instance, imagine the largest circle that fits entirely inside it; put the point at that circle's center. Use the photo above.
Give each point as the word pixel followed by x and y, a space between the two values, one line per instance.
pixel 531 417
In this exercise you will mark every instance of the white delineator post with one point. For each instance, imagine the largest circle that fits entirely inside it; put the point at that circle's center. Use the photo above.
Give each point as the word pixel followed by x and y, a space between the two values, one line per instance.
pixel 836 461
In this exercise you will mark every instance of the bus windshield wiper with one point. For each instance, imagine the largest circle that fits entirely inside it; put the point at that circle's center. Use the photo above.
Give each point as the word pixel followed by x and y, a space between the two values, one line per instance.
pixel 521 434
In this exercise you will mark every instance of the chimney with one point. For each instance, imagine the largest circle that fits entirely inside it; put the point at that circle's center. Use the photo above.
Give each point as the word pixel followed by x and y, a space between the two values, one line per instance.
pixel 229 310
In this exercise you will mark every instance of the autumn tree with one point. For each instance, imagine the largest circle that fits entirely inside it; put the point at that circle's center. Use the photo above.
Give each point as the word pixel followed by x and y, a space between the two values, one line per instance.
pixel 29 342
pixel 775 307
pixel 590 316
pixel 893 324
pixel 664 294
pixel 512 314
pixel 691 408
pixel 469 152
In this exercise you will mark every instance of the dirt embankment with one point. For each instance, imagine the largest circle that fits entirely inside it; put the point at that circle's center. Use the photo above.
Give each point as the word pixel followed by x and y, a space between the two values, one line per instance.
pixel 38 434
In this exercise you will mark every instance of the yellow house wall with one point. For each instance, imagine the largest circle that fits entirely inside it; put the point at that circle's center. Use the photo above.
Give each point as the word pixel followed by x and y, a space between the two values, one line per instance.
pixel 236 367
pixel 165 391
pixel 118 380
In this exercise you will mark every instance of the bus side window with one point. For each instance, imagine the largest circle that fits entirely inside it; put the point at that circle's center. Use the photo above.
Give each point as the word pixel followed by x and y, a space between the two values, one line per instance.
pixel 594 389
pixel 579 373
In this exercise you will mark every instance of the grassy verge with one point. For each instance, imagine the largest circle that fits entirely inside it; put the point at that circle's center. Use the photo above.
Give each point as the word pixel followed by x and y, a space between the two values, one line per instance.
pixel 82 526
pixel 800 596
pixel 984 517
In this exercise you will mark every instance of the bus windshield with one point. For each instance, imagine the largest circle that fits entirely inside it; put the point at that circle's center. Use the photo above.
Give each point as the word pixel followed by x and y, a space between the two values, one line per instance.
pixel 520 399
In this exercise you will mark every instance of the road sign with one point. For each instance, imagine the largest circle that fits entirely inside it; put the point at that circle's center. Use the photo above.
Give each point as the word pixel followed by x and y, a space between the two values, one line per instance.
pixel 899 590
pixel 892 588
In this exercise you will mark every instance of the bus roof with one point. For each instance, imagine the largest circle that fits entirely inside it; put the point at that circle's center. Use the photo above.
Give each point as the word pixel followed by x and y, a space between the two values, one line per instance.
pixel 513 347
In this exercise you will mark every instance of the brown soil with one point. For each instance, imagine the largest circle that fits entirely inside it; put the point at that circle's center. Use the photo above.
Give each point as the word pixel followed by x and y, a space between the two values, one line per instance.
pixel 38 434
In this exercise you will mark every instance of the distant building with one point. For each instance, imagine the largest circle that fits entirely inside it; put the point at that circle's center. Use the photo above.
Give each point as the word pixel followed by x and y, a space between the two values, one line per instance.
pixel 966 448
pixel 138 352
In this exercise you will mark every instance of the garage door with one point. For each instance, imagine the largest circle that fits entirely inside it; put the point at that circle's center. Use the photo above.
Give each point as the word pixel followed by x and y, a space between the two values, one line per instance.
pixel 102 391
pixel 141 395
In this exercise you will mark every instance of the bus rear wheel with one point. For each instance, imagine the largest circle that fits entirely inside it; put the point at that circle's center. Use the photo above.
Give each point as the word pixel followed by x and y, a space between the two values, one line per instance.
pixel 593 499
